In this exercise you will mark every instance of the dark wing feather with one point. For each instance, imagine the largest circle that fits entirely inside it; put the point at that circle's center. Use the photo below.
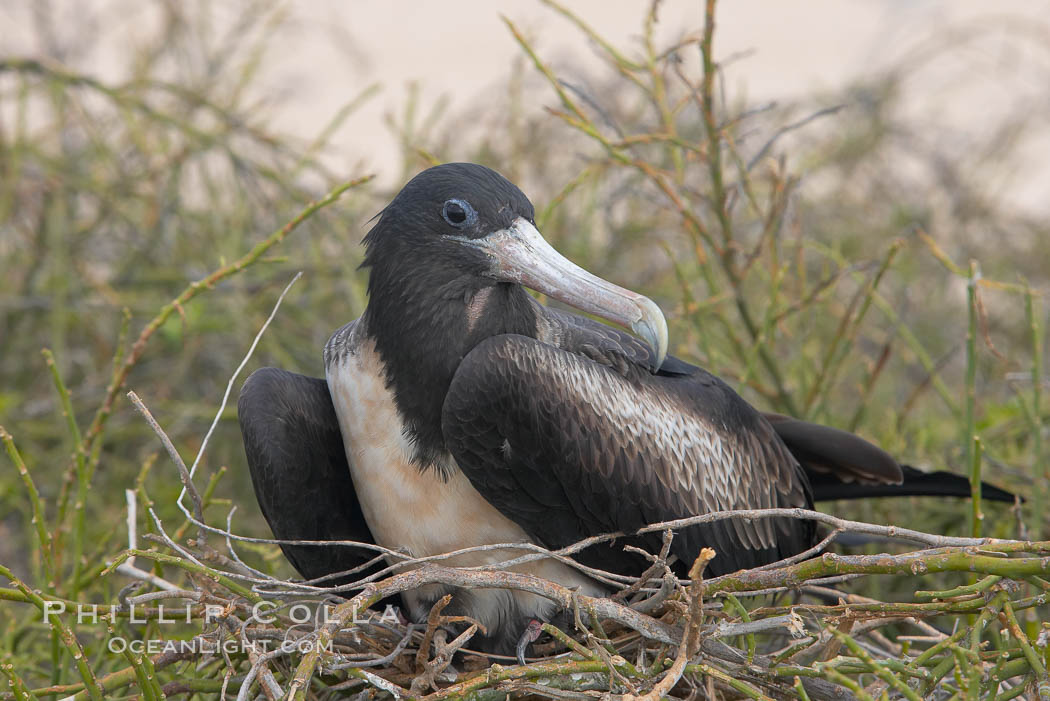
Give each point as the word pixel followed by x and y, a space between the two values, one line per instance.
pixel 832 451
pixel 299 470
pixel 841 465
pixel 916 484
pixel 568 448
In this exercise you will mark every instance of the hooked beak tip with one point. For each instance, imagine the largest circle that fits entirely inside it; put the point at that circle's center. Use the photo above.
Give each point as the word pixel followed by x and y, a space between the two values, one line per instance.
pixel 652 327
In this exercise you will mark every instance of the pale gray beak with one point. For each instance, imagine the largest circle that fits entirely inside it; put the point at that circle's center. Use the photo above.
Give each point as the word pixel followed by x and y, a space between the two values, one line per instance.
pixel 521 255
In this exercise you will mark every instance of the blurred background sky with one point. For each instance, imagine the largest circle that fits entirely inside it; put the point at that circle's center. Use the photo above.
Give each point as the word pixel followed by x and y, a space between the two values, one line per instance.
pixel 456 50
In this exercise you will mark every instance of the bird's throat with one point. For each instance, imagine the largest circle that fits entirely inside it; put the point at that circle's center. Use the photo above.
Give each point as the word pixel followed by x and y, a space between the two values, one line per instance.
pixel 422 335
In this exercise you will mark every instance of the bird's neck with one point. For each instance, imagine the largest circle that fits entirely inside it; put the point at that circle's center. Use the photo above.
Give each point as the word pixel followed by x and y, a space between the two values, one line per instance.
pixel 423 330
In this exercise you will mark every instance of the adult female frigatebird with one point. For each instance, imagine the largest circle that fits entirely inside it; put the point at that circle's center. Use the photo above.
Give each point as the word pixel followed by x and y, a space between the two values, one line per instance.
pixel 458 411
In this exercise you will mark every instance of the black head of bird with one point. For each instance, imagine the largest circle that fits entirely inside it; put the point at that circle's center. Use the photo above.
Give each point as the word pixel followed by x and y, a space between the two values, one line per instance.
pixel 461 227
pixel 447 261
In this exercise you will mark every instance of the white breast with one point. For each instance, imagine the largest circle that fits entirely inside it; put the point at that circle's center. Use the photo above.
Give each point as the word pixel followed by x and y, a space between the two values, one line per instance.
pixel 420 512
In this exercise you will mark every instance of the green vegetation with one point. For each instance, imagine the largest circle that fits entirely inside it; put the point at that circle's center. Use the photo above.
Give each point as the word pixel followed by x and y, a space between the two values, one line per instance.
pixel 148 227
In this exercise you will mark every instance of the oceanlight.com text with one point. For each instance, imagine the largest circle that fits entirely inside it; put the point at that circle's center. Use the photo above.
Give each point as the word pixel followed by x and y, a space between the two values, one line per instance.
pixel 198 646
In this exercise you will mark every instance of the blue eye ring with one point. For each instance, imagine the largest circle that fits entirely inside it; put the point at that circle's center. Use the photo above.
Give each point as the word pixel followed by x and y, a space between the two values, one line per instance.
pixel 459 213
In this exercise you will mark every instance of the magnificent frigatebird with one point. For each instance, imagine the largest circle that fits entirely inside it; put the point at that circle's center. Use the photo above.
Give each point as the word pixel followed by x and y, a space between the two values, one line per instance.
pixel 458 411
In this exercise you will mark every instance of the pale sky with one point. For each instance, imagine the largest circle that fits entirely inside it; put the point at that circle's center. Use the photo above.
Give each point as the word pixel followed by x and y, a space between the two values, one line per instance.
pixel 792 50
pixel 331 49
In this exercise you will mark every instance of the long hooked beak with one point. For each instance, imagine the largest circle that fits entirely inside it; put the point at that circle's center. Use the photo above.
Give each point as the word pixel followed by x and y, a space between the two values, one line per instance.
pixel 521 255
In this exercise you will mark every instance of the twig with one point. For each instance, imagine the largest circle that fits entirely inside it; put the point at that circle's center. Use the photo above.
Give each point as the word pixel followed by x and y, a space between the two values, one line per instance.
pixel 834 109
pixel 433 574
pixel 148 577
pixel 690 643
pixel 410 630
pixel 837 523
pixel 433 621
pixel 919 562
pixel 270 686
pixel 805 554
pixel 131 498
pixel 35 502
pixel 128 568
pixel 164 596
pixel 184 474
pixel 791 621
pixel 659 565
pixel 233 553
pixel 229 385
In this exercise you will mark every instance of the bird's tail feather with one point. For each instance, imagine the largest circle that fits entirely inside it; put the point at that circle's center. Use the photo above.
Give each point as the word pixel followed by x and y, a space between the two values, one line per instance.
pixel 916 483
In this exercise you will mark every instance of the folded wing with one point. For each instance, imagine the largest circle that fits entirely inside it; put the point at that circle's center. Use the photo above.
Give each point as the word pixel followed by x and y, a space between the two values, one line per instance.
pixel 568 447
pixel 299 471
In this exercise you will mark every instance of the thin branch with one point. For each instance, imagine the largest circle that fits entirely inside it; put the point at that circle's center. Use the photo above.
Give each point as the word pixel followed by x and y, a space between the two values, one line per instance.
pixel 233 378
pixel 844 525
pixel 834 109
pixel 184 474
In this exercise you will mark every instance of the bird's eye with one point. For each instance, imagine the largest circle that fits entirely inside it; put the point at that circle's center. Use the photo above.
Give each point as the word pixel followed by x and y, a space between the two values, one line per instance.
pixel 459 214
